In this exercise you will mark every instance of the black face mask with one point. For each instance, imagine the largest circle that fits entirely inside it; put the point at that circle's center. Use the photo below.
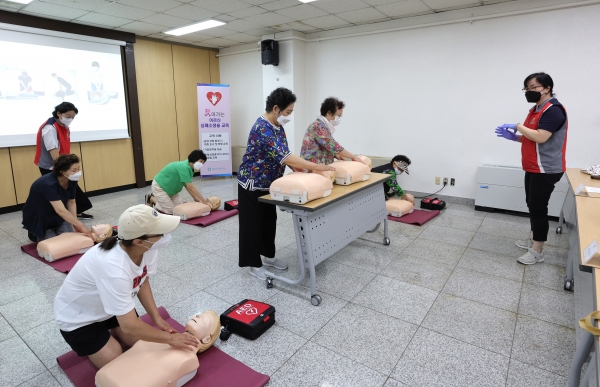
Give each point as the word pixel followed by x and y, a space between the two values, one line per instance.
pixel 533 96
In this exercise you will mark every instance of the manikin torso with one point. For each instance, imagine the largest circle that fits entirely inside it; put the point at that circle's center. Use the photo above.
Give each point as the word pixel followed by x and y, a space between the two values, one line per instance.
pixel 158 365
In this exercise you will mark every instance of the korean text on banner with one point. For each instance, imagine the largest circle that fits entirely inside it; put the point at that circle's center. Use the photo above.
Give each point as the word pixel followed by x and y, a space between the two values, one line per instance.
pixel 214 125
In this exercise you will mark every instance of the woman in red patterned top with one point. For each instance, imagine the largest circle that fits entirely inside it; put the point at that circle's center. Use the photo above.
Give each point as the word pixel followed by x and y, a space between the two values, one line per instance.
pixel 318 144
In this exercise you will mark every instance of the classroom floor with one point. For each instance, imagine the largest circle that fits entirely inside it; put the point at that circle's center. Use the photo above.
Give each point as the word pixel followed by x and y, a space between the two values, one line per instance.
pixel 446 304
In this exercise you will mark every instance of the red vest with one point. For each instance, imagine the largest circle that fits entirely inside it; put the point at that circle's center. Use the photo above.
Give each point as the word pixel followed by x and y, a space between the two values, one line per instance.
pixel 64 139
pixel 533 156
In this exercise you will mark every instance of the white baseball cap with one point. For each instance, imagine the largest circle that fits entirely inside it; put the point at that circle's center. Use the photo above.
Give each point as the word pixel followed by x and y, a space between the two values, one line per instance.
pixel 142 220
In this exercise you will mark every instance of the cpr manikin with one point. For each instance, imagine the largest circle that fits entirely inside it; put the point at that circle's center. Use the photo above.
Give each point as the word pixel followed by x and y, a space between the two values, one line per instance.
pixel 214 202
pixel 159 365
pixel 300 187
pixel 398 207
pixel 71 243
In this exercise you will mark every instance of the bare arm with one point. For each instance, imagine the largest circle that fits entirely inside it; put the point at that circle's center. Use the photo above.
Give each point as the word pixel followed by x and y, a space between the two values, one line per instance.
pixel 299 163
pixel 132 325
pixel 72 207
pixel 539 136
pixel 54 153
pixel 69 216
pixel 191 188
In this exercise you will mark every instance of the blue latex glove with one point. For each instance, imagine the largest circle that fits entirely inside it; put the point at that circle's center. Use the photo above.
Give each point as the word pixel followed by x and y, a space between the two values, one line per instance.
pixel 506 133
pixel 509 126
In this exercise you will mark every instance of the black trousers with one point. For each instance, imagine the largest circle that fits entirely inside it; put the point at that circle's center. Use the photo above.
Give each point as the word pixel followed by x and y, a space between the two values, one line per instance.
pixel 258 225
pixel 81 199
pixel 538 188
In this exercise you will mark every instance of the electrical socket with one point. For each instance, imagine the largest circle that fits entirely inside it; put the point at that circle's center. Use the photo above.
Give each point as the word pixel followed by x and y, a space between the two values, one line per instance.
pixel 452 181
pixel 437 180
pixel 445 181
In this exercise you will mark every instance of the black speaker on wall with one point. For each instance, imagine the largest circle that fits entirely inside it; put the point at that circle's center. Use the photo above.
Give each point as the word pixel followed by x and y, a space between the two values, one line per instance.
pixel 269 49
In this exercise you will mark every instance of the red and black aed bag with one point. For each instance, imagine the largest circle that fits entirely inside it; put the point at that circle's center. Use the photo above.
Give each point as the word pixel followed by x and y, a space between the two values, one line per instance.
pixel 247 318
pixel 433 204
pixel 231 205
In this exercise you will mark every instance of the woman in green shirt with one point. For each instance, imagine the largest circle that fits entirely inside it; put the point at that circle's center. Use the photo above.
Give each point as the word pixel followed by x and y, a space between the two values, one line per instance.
pixel 168 183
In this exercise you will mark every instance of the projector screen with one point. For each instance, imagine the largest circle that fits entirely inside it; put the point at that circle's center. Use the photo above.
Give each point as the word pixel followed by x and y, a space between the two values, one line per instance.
pixel 38 72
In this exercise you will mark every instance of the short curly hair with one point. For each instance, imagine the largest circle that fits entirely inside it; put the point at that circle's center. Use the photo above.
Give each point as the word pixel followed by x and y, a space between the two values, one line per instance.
pixel 64 163
pixel 331 105
pixel 280 97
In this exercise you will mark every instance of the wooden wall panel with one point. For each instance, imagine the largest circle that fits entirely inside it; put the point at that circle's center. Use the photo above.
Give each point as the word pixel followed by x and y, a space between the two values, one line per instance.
pixel 215 72
pixel 156 90
pixel 191 66
pixel 108 163
pixel 7 188
pixel 25 172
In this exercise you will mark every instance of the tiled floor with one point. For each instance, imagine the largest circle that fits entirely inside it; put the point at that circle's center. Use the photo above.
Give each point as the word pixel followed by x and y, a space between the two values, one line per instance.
pixel 445 305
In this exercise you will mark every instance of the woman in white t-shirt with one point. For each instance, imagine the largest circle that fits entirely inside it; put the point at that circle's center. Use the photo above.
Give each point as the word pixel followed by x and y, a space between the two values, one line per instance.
pixel 97 297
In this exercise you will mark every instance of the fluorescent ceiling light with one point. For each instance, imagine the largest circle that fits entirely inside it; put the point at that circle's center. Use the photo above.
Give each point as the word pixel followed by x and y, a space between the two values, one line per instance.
pixel 21 1
pixel 194 27
pixel 307 1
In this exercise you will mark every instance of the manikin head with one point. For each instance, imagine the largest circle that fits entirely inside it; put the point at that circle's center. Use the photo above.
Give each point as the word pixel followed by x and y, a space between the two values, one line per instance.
pixel 206 327
pixel 214 202
pixel 101 232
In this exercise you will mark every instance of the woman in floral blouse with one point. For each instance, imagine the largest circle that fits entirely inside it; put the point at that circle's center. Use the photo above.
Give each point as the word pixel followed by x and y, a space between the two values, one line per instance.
pixel 265 159
pixel 318 144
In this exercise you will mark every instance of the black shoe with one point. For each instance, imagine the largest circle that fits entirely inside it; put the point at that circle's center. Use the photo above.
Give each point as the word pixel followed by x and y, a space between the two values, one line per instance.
pixel 84 216
pixel 32 237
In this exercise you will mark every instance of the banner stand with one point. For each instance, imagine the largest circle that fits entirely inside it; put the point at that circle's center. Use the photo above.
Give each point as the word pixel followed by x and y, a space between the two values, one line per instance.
pixel 214 122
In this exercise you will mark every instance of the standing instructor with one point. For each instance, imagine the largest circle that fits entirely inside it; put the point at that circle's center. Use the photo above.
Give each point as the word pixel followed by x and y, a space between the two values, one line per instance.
pixel 543 138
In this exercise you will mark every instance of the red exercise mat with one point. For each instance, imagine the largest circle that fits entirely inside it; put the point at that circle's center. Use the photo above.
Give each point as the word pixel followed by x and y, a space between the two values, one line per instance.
pixel 63 265
pixel 214 217
pixel 418 217
pixel 217 369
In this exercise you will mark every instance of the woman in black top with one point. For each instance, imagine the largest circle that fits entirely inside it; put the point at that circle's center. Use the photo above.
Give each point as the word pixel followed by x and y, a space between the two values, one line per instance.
pixel 50 208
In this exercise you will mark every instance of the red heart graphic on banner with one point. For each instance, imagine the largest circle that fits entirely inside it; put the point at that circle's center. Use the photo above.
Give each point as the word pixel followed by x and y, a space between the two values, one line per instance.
pixel 214 98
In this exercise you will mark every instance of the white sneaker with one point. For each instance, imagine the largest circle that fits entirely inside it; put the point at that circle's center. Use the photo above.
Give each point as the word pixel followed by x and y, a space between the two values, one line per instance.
pixel 274 262
pixel 525 244
pixel 258 272
pixel 531 257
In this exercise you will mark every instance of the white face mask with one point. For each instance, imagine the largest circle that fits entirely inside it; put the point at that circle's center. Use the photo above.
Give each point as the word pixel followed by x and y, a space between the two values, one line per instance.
pixel 335 121
pixel 282 120
pixel 398 171
pixel 198 165
pixel 161 243
pixel 66 121
pixel 75 176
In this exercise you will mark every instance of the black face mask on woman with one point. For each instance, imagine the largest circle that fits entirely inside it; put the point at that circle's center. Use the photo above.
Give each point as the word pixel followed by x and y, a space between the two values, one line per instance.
pixel 533 96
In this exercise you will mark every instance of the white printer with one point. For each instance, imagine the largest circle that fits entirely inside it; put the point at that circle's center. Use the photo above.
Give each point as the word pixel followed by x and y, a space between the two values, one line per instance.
pixel 503 187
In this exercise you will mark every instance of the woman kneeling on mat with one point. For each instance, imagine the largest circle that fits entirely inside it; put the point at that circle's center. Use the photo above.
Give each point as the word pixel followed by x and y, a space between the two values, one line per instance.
pixel 50 208
pixel 170 181
pixel 97 296
pixel 391 186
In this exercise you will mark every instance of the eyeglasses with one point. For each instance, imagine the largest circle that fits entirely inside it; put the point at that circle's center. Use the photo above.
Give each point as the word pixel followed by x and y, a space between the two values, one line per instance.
pixel 531 88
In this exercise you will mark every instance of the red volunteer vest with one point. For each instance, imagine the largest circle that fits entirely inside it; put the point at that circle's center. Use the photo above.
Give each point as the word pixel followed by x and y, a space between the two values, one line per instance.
pixel 64 139
pixel 529 149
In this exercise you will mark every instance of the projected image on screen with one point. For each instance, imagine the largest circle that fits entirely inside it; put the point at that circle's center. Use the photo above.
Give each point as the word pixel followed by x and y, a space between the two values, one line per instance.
pixel 36 77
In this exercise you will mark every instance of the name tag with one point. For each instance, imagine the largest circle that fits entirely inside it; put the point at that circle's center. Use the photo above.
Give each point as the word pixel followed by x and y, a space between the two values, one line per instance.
pixel 590 251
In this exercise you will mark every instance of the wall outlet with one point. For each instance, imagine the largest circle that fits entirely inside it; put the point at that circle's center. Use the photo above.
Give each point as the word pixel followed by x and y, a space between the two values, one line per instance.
pixel 445 181
pixel 437 180
pixel 452 181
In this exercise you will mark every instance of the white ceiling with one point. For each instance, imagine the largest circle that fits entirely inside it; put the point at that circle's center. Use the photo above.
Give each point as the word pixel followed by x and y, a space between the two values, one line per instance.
pixel 246 20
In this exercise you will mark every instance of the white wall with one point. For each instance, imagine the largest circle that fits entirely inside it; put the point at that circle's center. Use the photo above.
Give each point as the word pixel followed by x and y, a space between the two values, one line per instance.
pixel 243 73
pixel 437 93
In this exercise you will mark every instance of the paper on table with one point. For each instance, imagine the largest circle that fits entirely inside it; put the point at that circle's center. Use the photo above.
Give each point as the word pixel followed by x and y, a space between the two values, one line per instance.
pixel 592 189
